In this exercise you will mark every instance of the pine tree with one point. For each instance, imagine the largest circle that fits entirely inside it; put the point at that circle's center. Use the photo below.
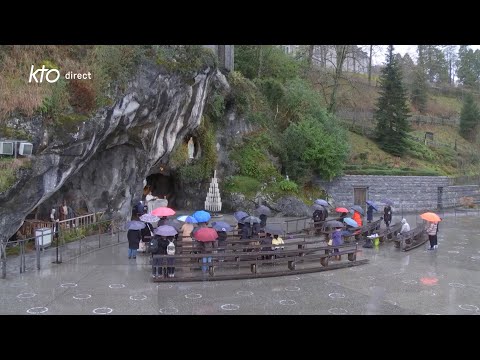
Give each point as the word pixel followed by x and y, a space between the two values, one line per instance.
pixel 392 111
pixel 469 118
pixel 419 90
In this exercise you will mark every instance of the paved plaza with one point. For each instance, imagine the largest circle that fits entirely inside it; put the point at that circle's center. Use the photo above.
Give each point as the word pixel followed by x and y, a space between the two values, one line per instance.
pixel 444 281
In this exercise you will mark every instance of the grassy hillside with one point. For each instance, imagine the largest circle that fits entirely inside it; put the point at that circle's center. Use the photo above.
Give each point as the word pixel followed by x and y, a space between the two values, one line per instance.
pixel 438 158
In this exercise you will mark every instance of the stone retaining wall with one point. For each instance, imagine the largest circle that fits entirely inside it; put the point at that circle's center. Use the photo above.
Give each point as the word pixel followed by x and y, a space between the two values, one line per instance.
pixel 410 193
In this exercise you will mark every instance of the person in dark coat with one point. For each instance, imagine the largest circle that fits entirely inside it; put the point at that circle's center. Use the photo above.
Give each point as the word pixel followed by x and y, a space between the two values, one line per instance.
pixel 134 237
pixel 370 213
pixel 222 239
pixel 387 215
pixel 319 216
pixel 263 221
pixel 163 242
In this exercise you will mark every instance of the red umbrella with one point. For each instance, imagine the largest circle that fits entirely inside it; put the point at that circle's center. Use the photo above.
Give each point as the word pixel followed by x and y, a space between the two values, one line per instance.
pixel 205 234
pixel 339 209
pixel 163 211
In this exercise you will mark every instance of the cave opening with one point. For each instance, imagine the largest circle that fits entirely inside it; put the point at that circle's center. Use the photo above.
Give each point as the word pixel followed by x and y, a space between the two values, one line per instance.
pixel 163 186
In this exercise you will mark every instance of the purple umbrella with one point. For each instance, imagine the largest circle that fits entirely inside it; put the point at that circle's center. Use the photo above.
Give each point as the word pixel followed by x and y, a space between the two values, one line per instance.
pixel 135 225
pixel 149 218
pixel 221 226
pixel 165 230
pixel 321 202
pixel 239 215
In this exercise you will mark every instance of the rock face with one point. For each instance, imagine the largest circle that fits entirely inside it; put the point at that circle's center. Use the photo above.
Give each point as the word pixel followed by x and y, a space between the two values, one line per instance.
pixel 290 206
pixel 103 162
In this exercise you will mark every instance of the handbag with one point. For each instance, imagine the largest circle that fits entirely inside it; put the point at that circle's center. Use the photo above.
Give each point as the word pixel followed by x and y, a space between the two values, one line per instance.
pixel 141 246
pixel 330 242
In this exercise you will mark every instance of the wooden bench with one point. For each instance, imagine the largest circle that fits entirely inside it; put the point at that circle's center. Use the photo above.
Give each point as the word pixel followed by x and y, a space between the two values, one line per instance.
pixel 411 239
pixel 389 233
pixel 244 264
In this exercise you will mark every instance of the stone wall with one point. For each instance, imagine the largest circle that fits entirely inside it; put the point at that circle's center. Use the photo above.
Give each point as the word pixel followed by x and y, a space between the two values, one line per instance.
pixel 410 193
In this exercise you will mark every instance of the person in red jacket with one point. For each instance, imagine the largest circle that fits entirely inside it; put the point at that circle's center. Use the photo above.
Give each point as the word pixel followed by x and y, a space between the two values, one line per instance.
pixel 358 218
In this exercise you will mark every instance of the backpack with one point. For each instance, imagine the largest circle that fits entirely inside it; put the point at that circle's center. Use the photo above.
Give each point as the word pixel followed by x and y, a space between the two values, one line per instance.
pixel 171 248
pixel 318 215
pixel 154 246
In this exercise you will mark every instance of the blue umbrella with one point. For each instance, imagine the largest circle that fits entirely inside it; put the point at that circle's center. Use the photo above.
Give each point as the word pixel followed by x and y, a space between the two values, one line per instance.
pixel 221 226
pixel 135 225
pixel 321 202
pixel 350 221
pixel 239 215
pixel 165 230
pixel 372 204
pixel 188 219
pixel 149 218
pixel 201 216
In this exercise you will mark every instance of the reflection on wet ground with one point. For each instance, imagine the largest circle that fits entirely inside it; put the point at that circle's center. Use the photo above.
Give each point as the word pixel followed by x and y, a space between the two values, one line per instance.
pixel 444 281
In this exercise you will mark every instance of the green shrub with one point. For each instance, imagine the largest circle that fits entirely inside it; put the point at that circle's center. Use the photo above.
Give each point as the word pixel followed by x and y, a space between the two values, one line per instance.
pixel 242 184
pixel 288 186
pixel 313 145
pixel 185 59
pixel 252 158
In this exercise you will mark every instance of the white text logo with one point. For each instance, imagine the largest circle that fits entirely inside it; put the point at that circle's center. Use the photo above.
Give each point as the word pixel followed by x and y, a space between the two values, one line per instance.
pixel 44 71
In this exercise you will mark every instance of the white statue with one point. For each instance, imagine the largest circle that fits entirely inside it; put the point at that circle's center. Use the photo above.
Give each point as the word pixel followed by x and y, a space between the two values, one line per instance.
pixel 191 148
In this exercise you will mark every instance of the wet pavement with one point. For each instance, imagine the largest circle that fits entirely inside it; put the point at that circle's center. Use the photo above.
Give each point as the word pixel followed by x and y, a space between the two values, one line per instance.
pixel 444 281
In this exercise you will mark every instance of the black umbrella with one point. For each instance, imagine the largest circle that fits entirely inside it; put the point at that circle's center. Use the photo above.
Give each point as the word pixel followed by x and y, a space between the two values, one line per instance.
pixel 274 230
pixel 263 210
pixel 252 220
pixel 334 224
pixel 358 208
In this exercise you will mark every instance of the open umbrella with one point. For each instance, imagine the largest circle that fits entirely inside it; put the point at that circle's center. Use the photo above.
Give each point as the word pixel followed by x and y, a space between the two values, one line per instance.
pixel 321 202
pixel 388 202
pixel 334 224
pixel 163 211
pixel 358 208
pixel 432 217
pixel 165 230
pixel 173 223
pixel 262 210
pixel 221 226
pixel 350 221
pixel 201 216
pixel 149 218
pixel 274 230
pixel 187 218
pixel 135 225
pixel 341 210
pixel 372 204
pixel 252 220
pixel 318 207
pixel 239 215
pixel 205 234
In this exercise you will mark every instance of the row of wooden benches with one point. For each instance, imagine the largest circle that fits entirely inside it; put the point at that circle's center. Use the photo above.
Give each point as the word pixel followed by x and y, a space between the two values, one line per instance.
pixel 235 258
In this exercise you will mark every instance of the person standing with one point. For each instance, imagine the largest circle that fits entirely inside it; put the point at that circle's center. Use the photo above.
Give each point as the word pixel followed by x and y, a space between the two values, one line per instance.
pixel 432 231
pixel 357 217
pixel 370 213
pixel 387 215
pixel 336 241
pixel 134 237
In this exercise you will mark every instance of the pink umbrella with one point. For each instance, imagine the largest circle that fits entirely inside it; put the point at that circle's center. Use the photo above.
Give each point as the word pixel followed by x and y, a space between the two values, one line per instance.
pixel 163 211
pixel 205 234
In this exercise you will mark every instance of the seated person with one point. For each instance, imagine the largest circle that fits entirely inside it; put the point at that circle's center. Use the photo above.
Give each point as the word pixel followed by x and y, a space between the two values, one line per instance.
pixel 278 243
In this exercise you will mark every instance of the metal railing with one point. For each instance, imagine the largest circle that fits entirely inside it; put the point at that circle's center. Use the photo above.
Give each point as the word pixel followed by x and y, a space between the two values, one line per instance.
pixel 66 243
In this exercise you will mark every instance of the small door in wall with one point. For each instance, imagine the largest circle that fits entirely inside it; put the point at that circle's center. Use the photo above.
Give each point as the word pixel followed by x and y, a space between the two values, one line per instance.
pixel 360 196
